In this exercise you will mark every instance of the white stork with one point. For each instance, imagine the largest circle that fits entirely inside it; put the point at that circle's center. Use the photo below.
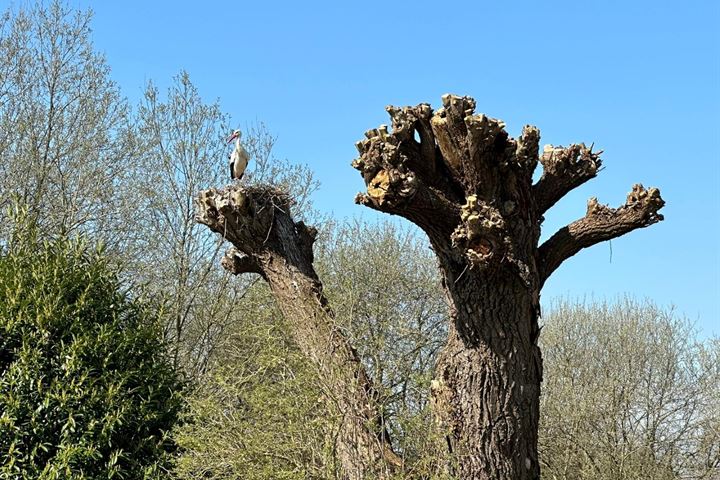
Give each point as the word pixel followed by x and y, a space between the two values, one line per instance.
pixel 239 157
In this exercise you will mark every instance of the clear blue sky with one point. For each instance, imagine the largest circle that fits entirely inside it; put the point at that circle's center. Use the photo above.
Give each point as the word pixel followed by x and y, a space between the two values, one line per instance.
pixel 639 78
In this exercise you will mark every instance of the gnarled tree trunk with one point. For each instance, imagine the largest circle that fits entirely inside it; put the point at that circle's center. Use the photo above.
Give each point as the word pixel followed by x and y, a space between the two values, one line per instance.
pixel 468 185
pixel 257 221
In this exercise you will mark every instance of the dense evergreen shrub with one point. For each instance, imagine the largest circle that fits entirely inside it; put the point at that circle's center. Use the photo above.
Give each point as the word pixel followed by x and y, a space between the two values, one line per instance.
pixel 86 391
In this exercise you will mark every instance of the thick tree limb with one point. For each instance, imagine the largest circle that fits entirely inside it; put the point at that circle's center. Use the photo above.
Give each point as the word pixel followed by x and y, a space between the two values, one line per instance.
pixel 601 223
pixel 563 170
pixel 438 182
pixel 257 221
pixel 392 186
pixel 384 197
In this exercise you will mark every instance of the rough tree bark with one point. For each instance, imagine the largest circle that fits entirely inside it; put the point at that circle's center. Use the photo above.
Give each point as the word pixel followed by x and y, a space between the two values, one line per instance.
pixel 267 241
pixel 468 185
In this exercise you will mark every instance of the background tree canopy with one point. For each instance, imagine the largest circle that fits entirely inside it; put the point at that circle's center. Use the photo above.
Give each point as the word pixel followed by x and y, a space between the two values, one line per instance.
pixel 630 392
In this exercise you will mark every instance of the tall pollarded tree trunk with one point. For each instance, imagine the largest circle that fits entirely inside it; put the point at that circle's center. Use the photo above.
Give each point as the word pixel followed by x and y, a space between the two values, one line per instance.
pixel 257 221
pixel 468 185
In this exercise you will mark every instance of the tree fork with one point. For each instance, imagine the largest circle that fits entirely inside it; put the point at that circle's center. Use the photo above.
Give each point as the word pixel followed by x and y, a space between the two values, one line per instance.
pixel 267 241
pixel 461 178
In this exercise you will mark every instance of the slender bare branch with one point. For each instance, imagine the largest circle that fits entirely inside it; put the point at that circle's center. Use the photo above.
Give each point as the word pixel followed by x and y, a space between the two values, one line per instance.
pixel 600 223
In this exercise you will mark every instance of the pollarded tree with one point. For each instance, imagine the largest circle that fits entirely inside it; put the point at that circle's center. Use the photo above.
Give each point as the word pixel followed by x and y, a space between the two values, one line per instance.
pixel 268 242
pixel 469 186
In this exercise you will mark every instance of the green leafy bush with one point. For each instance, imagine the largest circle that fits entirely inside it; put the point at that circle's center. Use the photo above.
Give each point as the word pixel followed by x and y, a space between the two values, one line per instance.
pixel 86 391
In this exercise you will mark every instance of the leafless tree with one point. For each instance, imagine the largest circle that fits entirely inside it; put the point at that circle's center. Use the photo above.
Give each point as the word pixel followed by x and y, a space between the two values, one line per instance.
pixel 67 143
pixel 629 393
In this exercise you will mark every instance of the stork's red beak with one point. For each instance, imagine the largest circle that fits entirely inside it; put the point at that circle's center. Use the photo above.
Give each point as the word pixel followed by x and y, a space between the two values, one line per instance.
pixel 232 137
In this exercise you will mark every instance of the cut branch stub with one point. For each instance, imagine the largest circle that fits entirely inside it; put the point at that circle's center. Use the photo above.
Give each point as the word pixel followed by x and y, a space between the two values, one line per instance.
pixel 563 170
pixel 237 263
pixel 243 215
pixel 382 165
pixel 257 221
pixel 473 146
pixel 527 148
pixel 480 233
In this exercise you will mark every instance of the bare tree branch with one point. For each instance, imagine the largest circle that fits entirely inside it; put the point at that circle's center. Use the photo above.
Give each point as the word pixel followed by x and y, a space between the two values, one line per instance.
pixel 563 170
pixel 600 223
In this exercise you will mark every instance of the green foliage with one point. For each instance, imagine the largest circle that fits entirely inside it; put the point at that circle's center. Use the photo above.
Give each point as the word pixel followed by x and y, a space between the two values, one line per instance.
pixel 383 283
pixel 66 146
pixel 85 389
pixel 258 413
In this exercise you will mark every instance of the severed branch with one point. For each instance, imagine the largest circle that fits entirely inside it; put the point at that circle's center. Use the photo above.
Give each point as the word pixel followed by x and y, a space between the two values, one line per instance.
pixel 527 148
pixel 238 263
pixel 385 197
pixel 563 170
pixel 600 223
